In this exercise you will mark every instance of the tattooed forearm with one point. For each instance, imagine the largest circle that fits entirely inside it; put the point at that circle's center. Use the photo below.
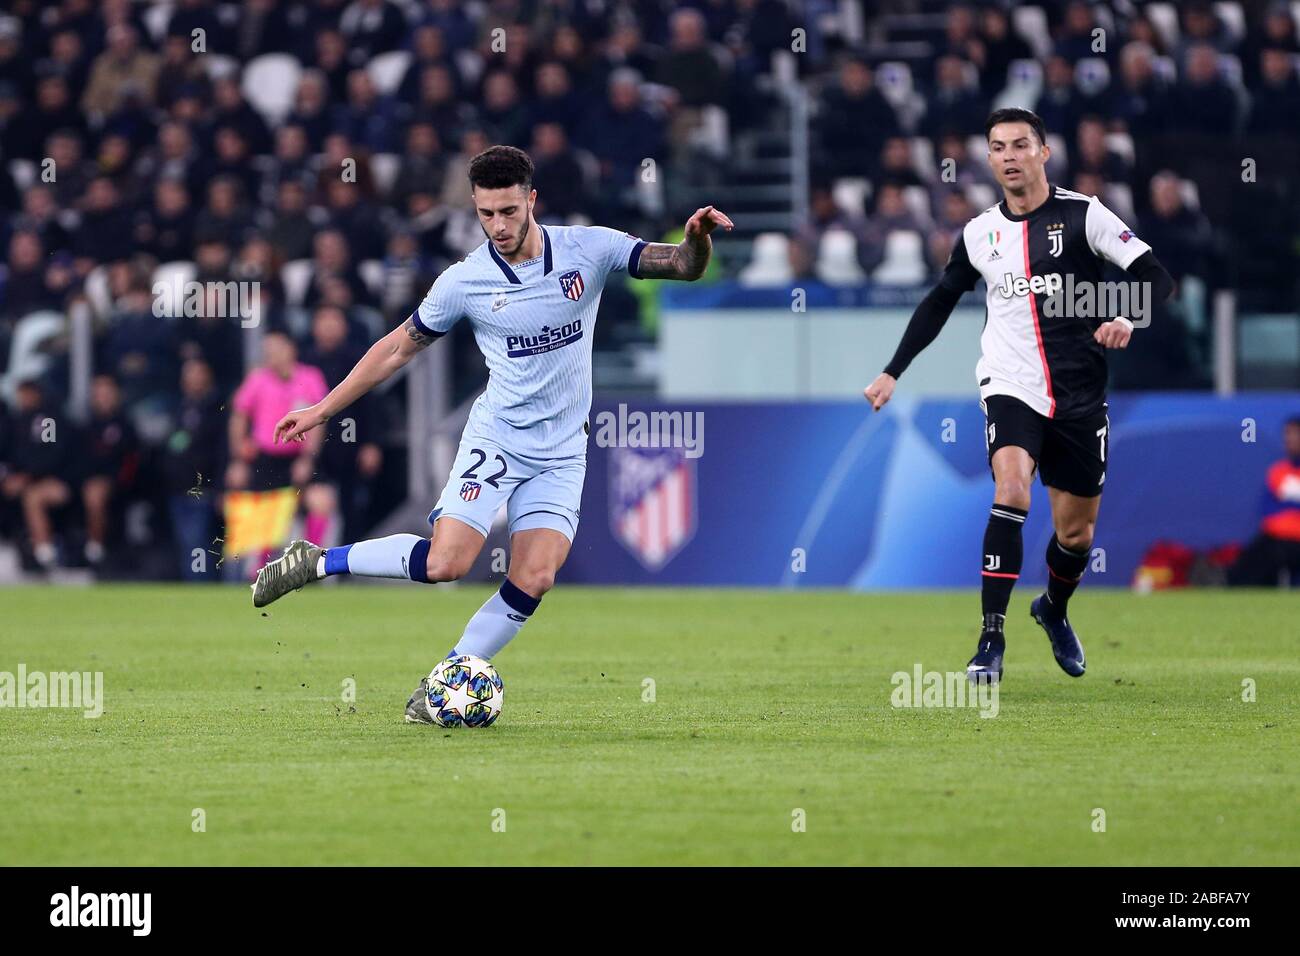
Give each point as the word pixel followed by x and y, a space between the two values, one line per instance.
pixel 686 260
pixel 421 340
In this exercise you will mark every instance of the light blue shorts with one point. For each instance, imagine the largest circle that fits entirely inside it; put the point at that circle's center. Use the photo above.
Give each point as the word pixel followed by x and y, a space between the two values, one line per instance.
pixel 538 493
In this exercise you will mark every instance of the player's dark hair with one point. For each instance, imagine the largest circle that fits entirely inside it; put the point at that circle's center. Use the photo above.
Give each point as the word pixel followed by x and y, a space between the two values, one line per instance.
pixel 1292 422
pixel 500 167
pixel 1014 114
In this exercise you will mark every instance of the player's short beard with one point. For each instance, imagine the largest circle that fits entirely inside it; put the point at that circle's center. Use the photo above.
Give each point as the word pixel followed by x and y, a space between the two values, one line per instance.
pixel 523 236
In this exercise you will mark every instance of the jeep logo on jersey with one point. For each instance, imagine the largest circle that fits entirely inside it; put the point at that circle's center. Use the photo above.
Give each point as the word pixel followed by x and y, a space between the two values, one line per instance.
pixel 571 285
pixel 547 339
pixel 1012 286
pixel 1054 233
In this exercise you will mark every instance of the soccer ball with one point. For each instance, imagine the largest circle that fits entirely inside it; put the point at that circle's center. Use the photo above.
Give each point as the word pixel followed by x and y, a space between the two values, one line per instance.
pixel 465 691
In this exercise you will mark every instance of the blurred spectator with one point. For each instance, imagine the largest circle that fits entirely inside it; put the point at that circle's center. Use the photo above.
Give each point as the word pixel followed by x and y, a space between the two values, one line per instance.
pixel 1092 155
pixel 230 110
pixel 191 461
pixel 1201 27
pixel 311 108
pixel 22 281
pixel 105 223
pixel 38 461
pixel 371 27
pixel 891 214
pixel 997 47
pixel 621 134
pixel 111 461
pixel 121 72
pixel 1182 234
pixel 558 175
pixel 1141 99
pixel 1275 101
pixel 1275 549
pixel 1276 32
pixel 367 118
pixel 854 121
pixel 1202 102
pixel 290 228
pixel 689 66
pixel 824 215
pixel 225 218
pixel 896 166
pixel 1076 39
pixel 440 105
pixel 956 102
pixel 351 455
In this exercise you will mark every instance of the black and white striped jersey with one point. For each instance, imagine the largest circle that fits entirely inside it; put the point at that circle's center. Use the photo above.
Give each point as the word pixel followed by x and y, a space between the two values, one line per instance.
pixel 1052 364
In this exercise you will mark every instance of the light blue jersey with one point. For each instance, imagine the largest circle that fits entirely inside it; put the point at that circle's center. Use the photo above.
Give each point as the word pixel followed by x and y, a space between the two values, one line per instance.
pixel 534 323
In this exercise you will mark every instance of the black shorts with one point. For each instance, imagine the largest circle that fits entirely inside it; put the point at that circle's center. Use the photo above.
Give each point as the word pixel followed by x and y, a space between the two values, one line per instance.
pixel 1069 455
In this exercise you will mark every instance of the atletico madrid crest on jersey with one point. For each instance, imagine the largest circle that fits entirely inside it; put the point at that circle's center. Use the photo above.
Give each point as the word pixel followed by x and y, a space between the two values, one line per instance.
pixel 571 285
pixel 652 502
pixel 470 490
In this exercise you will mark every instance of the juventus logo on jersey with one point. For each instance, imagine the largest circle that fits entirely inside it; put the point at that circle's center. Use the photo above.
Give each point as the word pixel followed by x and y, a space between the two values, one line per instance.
pixel 992 562
pixel 1055 232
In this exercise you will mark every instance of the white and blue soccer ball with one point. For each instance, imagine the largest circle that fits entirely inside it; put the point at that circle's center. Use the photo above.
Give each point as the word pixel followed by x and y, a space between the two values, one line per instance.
pixel 464 691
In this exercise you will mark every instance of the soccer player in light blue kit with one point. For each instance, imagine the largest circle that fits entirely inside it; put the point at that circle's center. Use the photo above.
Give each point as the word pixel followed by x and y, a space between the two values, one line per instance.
pixel 531 293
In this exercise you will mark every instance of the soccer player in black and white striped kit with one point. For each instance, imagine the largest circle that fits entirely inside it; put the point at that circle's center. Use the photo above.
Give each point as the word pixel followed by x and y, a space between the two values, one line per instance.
pixel 1042 376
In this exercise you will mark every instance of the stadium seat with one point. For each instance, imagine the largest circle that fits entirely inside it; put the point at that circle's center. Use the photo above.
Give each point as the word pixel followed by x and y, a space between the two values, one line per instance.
pixel 219 67
pixel 923 158
pixel 1092 75
pixel 372 273
pixel 837 259
pixel 981 195
pixel 917 199
pixel 1031 24
pixel 1060 161
pixel 770 264
pixel 1024 85
pixel 1164 19
pixel 23 172
pixel 712 136
pixel 384 168
pixel 851 194
pixel 156 16
pixel 173 276
pixel 904 262
pixel 1233 18
pixel 1121 143
pixel 387 70
pixel 27 356
pixel 296 276
pixel 97 291
pixel 1165 68
pixel 270 84
pixel 894 80
pixel 1119 197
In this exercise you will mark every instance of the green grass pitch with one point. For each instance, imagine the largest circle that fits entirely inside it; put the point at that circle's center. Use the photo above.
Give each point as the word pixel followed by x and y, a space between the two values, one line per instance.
pixel 765 704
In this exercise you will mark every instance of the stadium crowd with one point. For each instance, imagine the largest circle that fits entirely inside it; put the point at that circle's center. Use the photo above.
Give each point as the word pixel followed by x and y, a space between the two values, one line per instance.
pixel 136 143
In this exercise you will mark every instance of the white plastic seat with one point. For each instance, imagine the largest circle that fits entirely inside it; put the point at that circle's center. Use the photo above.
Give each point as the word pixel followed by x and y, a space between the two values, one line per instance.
pixel 296 276
pixel 770 262
pixel 387 70
pixel 904 262
pixel 850 194
pixel 27 357
pixel 372 274
pixel 270 84
pixel 384 167
pixel 169 287
pixel 837 259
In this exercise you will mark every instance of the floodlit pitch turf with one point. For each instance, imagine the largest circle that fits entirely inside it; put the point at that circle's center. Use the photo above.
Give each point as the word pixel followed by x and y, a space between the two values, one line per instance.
pixel 764 703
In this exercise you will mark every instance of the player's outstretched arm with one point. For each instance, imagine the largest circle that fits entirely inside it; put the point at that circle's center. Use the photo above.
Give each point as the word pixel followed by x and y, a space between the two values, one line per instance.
pixel 926 323
pixel 689 258
pixel 381 361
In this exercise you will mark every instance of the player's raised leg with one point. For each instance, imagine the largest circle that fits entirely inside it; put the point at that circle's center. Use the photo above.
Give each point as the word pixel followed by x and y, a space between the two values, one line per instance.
pixel 446 556
pixel 1073 519
pixel 1013 470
